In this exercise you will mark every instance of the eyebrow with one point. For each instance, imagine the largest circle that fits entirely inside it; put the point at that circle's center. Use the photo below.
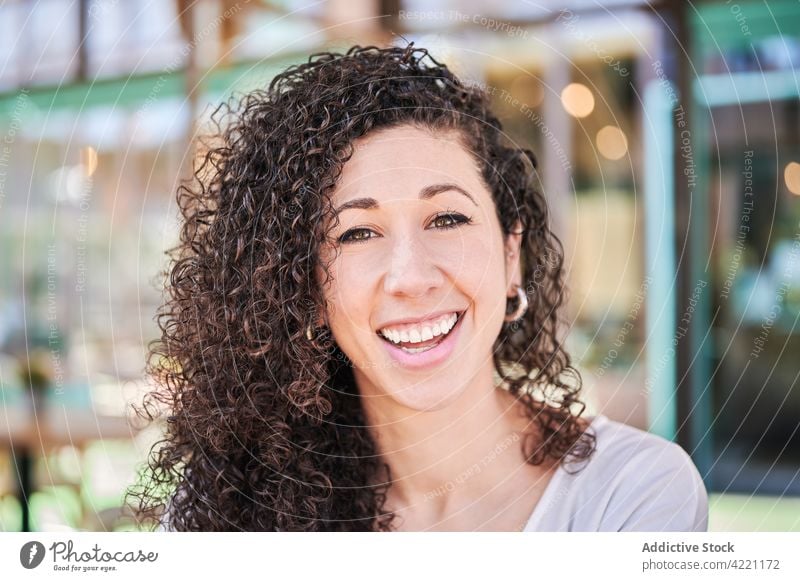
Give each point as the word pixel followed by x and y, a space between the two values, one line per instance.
pixel 425 194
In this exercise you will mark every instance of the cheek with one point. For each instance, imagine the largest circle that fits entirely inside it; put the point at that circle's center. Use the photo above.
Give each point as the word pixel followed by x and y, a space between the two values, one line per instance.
pixel 474 263
pixel 350 293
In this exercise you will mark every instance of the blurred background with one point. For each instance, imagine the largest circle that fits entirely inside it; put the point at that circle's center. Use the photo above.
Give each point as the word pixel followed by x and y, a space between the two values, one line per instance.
pixel 668 136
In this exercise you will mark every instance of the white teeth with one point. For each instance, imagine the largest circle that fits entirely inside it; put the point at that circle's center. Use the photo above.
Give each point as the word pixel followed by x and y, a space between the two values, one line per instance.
pixel 420 333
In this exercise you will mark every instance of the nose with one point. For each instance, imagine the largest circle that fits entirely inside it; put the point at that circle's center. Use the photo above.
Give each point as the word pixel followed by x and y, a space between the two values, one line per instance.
pixel 411 270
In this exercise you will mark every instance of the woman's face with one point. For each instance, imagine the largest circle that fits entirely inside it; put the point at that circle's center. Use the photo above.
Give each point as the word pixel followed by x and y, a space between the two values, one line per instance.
pixel 420 268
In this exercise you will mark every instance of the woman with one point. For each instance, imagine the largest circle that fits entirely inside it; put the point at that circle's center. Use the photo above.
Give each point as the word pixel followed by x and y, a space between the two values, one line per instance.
pixel 361 329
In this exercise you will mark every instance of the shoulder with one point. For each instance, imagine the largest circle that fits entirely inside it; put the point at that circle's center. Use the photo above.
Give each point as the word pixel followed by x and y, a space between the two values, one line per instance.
pixel 647 483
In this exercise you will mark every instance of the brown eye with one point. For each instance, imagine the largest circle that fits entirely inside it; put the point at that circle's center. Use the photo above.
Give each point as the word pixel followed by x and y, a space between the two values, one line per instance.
pixel 356 235
pixel 449 220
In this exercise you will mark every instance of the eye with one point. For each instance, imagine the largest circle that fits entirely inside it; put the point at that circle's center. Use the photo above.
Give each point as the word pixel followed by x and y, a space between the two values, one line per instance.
pixel 442 221
pixel 450 220
pixel 356 235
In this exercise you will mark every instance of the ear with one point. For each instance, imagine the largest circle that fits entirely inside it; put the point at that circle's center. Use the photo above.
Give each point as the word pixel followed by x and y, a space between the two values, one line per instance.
pixel 511 250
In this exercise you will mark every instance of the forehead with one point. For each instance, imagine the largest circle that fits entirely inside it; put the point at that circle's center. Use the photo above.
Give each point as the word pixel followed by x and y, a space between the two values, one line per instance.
pixel 403 160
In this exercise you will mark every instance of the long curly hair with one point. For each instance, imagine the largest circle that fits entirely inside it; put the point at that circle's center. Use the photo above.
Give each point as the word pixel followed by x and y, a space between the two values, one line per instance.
pixel 265 430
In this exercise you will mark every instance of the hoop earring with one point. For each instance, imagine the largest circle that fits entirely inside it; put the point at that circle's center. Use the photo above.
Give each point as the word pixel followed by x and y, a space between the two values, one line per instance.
pixel 521 308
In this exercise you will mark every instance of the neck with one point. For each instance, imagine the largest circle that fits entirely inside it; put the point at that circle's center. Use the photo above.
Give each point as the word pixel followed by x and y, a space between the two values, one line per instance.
pixel 444 459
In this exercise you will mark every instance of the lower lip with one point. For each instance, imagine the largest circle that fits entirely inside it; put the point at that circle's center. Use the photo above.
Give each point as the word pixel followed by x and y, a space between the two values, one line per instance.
pixel 429 358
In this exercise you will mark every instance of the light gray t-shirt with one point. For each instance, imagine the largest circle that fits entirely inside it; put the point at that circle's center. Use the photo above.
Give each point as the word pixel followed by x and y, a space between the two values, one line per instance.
pixel 634 481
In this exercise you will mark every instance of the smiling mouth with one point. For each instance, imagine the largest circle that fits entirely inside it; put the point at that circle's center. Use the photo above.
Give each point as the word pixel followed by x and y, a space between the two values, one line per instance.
pixel 419 346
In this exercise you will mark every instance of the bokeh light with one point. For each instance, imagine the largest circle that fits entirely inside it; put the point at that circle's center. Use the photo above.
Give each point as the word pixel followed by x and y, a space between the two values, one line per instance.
pixel 612 143
pixel 578 100
pixel 791 175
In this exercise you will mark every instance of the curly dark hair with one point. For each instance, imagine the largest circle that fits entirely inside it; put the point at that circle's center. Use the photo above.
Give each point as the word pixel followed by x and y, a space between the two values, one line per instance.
pixel 266 430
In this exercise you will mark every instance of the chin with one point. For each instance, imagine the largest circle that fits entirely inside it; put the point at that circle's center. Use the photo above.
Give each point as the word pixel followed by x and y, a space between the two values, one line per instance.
pixel 425 397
